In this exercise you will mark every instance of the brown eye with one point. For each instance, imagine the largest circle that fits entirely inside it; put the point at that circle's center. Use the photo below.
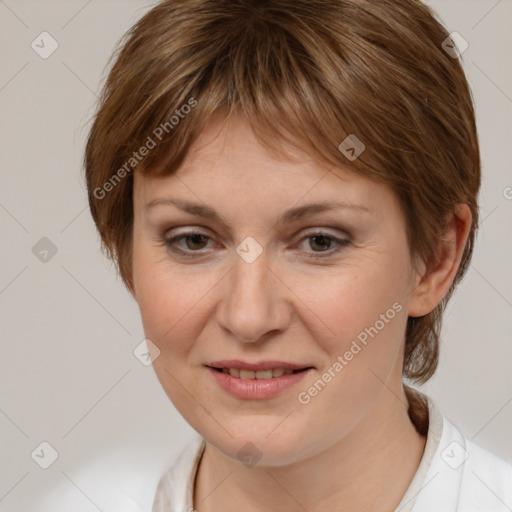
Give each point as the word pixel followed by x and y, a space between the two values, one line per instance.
pixel 188 243
pixel 322 245
pixel 320 242
pixel 196 241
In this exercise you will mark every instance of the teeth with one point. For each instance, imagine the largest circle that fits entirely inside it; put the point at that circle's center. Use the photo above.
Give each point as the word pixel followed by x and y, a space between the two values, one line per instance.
pixel 264 374
pixel 260 374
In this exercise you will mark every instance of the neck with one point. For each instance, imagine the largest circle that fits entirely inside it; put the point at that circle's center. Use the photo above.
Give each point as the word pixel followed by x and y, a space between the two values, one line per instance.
pixel 369 469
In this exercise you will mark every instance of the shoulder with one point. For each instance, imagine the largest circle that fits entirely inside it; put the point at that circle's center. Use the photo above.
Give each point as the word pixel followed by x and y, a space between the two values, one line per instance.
pixel 175 488
pixel 487 480
pixel 464 477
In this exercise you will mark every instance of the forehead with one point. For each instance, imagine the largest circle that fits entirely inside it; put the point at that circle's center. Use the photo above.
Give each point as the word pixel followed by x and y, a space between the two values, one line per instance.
pixel 230 144
pixel 227 165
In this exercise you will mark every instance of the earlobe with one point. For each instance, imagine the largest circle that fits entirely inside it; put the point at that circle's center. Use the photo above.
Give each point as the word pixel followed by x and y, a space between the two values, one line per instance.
pixel 441 269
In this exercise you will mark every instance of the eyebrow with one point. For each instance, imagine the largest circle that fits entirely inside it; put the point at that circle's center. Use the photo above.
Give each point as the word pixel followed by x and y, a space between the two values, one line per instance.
pixel 288 216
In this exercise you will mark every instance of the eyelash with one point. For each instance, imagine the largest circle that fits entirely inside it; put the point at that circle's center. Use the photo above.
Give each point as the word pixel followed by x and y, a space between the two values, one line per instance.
pixel 315 254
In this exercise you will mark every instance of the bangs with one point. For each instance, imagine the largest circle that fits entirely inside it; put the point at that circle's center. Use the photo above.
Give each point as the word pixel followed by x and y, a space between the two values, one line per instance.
pixel 261 78
pixel 266 64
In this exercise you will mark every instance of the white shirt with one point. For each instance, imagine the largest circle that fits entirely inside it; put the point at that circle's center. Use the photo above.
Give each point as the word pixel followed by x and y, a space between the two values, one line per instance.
pixel 454 475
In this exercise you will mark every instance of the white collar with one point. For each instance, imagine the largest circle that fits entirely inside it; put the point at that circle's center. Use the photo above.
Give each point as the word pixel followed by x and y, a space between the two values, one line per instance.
pixel 445 481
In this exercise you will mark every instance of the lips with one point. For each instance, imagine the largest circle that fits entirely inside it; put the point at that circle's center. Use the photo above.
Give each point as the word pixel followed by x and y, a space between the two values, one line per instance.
pixel 262 379
pixel 259 374
pixel 263 370
pixel 256 381
pixel 257 366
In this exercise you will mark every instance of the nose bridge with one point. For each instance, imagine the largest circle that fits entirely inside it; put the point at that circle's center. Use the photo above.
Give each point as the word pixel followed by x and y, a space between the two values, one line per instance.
pixel 252 305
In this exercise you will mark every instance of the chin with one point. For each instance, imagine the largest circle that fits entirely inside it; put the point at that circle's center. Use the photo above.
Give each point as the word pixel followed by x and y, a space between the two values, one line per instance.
pixel 259 442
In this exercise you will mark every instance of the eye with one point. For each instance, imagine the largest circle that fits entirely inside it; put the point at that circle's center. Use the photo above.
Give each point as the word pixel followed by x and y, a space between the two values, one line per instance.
pixel 321 242
pixel 190 242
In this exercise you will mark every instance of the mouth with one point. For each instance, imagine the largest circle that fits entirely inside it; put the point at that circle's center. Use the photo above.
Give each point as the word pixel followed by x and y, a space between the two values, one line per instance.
pixel 257 381
pixel 271 373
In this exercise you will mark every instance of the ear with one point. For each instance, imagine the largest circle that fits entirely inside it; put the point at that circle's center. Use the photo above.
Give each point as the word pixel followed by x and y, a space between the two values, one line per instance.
pixel 437 275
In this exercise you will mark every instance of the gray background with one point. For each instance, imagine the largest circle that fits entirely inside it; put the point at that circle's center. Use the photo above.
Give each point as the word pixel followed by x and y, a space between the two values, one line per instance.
pixel 68 375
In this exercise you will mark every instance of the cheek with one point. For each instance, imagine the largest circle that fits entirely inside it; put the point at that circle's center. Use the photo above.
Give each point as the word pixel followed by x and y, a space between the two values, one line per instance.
pixel 367 347
pixel 357 302
pixel 172 302
pixel 366 313
pixel 172 307
pixel 365 305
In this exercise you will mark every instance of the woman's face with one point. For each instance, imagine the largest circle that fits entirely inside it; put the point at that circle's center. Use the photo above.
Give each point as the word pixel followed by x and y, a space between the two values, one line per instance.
pixel 234 266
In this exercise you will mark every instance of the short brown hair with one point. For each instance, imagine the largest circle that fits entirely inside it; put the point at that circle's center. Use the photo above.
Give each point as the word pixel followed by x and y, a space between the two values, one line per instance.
pixel 310 72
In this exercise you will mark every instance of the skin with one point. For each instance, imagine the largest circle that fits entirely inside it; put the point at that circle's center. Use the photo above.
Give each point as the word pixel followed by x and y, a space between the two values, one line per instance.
pixel 353 443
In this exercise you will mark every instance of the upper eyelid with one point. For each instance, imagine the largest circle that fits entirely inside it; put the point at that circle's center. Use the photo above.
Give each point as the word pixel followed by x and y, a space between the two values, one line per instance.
pixel 303 233
pixel 309 232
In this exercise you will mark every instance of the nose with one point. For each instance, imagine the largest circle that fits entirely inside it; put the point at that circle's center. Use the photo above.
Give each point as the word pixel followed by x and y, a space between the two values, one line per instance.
pixel 254 301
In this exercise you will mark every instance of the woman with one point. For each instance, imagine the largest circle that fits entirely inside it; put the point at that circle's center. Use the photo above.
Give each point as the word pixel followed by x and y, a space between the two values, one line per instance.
pixel 289 191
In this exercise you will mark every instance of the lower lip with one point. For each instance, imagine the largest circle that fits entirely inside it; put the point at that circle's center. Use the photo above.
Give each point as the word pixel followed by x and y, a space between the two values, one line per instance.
pixel 255 389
